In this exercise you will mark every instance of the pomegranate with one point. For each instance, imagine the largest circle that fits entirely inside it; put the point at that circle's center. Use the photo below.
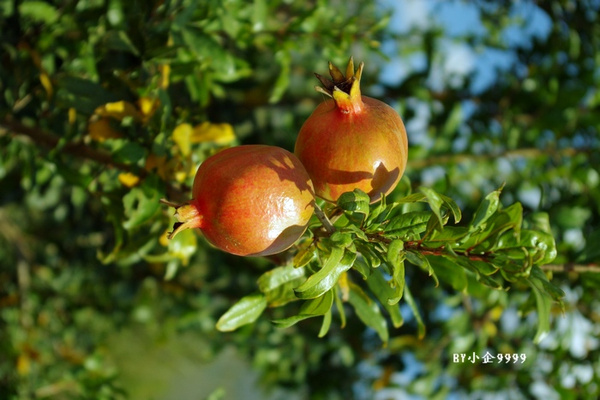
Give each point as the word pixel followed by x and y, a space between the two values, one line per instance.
pixel 252 200
pixel 352 141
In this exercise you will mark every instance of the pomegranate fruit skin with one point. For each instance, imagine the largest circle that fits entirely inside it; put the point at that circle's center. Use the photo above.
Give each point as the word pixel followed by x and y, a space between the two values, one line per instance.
pixel 342 151
pixel 352 141
pixel 251 200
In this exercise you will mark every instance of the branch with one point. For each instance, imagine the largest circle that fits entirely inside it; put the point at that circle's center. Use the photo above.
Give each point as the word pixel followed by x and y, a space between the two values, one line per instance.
pixel 79 149
pixel 572 267
pixel 525 152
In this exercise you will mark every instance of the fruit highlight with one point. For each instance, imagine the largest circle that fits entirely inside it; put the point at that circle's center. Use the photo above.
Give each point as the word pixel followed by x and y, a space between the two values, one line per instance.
pixel 352 141
pixel 251 200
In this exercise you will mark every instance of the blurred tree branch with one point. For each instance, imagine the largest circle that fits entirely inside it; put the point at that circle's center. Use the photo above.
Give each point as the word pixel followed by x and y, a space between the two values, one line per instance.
pixel 77 149
pixel 524 152
pixel 572 267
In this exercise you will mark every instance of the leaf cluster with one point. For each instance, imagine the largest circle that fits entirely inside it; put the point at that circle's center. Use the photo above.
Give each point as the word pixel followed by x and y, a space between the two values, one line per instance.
pixel 362 263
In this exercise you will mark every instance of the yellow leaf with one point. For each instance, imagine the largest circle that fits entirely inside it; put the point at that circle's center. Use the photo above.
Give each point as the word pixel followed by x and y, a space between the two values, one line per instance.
pixel 490 328
pixel 128 179
pixel 148 106
pixel 46 83
pixel 100 130
pixel 164 238
pixel 209 132
pixel 159 164
pixel 181 136
pixel 118 110
pixel 165 73
pixel 72 115
pixel 23 364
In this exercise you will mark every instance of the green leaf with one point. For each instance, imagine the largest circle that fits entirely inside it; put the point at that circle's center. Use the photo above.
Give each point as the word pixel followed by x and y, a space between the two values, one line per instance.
pixel 395 257
pixel 543 304
pixel 276 277
pixel 39 11
pixel 368 312
pixel 305 254
pixel 449 236
pixel 142 202
pixel 339 305
pixel 409 224
pixel 128 152
pixel 360 265
pixel 453 207
pixel 369 255
pixel 245 311
pixel 326 324
pixel 311 308
pixel 388 296
pixel 284 59
pixel 486 238
pixel 408 297
pixel 418 259
pixel 449 272
pixel 324 279
pixel 355 204
pixel 486 209
pixel 435 202
pixel 341 239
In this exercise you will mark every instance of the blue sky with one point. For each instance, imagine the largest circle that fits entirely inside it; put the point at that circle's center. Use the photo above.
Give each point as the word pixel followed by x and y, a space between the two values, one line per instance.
pixel 459 18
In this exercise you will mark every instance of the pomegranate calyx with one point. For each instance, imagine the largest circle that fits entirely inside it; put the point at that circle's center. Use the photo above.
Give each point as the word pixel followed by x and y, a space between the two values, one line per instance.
pixel 343 88
pixel 188 216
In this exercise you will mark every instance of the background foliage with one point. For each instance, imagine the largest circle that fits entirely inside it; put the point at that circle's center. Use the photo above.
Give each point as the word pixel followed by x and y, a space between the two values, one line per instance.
pixel 108 106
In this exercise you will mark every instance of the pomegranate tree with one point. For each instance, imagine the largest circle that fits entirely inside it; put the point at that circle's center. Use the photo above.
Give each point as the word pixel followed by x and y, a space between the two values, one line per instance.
pixel 251 200
pixel 352 141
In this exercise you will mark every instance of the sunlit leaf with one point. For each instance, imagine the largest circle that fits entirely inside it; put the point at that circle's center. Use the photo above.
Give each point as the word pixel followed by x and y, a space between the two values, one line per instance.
pixel 409 224
pixel 182 135
pixel 275 277
pixel 325 278
pixel 245 311
pixel 310 308
pixel 210 132
pixel 435 202
pixel 356 204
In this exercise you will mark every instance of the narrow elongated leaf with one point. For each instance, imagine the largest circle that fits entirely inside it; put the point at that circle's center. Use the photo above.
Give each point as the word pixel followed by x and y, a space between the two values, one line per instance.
pixel 339 305
pixel 311 308
pixel 435 202
pixel 326 324
pixel 276 277
pixel 418 259
pixel 408 297
pixel 388 296
pixel 395 257
pixel 245 311
pixel 543 303
pixel 453 207
pixel 449 272
pixel 486 209
pixel 449 236
pixel 368 312
pixel 305 254
pixel 361 266
pixel 326 278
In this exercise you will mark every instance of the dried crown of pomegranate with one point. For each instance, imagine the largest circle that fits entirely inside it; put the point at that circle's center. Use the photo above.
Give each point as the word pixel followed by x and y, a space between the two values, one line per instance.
pixel 344 89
